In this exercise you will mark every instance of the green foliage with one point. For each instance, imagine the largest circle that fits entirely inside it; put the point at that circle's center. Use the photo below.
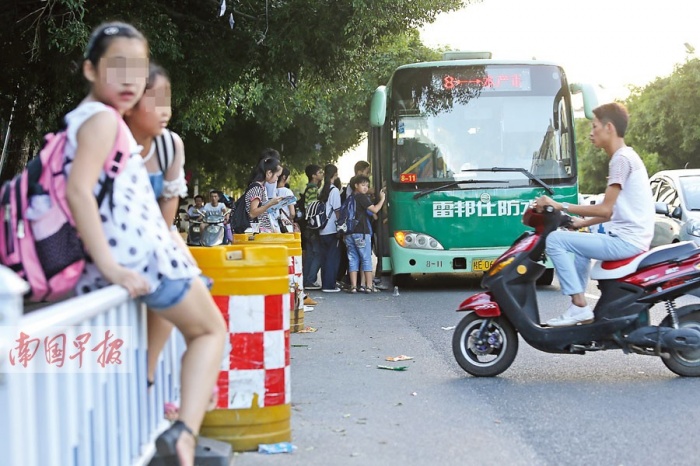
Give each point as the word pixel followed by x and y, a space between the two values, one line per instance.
pixel 665 119
pixel 231 96
pixel 592 162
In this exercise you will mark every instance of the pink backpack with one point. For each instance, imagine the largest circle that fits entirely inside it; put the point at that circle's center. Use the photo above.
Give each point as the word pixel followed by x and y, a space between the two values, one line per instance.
pixel 38 239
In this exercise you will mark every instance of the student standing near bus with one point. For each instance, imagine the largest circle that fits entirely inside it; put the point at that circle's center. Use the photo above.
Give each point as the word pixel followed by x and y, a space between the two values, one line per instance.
pixel 330 248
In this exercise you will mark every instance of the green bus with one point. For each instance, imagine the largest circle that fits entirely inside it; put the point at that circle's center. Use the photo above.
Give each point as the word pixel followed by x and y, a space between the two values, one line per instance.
pixel 462 146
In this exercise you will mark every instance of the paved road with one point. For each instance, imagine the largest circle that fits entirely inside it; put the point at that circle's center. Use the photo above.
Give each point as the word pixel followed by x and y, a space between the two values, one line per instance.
pixel 599 409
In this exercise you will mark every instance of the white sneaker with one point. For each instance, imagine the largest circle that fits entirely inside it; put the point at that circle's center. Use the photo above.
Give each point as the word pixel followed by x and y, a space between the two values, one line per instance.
pixel 574 315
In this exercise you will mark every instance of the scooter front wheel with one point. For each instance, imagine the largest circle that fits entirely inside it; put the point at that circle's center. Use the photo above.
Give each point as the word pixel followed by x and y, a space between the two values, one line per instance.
pixel 486 354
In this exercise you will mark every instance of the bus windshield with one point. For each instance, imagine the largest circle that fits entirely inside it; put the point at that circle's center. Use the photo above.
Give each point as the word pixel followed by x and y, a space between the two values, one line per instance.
pixel 452 122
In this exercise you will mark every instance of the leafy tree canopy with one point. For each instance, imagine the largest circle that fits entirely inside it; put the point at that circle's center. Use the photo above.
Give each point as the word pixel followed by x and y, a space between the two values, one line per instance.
pixel 232 94
pixel 665 118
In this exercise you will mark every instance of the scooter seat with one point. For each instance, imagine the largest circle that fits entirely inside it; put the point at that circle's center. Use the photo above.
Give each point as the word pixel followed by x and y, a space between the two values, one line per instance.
pixel 610 270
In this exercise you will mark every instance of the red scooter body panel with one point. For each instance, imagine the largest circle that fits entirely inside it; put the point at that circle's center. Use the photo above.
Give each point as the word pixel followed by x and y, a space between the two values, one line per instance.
pixel 482 304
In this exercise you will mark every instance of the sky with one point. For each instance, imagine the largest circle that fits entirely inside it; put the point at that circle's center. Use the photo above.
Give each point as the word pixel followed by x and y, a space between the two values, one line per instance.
pixel 610 44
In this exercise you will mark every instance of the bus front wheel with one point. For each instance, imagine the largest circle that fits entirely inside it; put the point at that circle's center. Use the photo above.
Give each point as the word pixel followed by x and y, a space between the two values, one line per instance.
pixel 401 279
pixel 546 278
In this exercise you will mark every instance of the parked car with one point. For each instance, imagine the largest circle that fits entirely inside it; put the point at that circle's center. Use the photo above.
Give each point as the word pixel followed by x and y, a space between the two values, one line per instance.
pixel 680 190
pixel 666 229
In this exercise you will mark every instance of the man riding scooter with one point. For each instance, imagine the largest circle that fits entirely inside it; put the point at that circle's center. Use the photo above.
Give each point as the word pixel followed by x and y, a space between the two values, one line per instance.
pixel 194 213
pixel 628 206
pixel 195 217
pixel 216 216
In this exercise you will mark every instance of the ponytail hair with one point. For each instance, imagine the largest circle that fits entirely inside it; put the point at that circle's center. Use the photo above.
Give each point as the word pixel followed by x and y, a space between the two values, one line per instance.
pixel 285 174
pixel 329 171
pixel 264 165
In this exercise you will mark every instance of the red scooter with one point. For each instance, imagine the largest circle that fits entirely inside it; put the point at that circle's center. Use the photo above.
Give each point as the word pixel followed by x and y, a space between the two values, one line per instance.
pixel 485 341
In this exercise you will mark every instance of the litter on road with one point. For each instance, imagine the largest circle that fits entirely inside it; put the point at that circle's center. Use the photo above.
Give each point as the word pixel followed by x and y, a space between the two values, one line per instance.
pixel 270 448
pixel 402 357
pixel 389 368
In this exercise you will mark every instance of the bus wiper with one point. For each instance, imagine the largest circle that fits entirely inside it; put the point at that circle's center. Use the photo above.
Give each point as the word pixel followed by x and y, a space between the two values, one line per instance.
pixel 432 190
pixel 514 169
pixel 454 183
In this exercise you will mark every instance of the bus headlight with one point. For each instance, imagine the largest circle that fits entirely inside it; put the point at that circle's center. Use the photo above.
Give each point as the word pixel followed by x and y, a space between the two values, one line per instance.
pixel 413 240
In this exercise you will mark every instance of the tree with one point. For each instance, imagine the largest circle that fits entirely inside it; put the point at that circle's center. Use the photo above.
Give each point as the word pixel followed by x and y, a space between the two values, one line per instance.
pixel 230 81
pixel 665 118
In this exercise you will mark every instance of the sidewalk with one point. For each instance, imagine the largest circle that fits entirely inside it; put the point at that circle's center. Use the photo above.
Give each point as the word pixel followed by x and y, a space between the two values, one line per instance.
pixel 346 411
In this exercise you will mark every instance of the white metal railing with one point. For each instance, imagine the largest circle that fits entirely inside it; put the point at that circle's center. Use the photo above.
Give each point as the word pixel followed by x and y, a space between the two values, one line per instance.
pixel 81 418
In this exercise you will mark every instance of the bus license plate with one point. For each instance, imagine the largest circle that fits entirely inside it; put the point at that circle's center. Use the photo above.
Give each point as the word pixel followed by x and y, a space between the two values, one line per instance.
pixel 481 265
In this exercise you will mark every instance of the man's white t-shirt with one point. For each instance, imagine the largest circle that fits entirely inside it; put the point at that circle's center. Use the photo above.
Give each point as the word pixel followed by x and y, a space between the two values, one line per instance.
pixel 219 209
pixel 633 213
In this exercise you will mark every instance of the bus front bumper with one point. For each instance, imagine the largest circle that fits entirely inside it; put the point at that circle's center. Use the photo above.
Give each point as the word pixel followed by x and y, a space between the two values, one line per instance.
pixel 406 260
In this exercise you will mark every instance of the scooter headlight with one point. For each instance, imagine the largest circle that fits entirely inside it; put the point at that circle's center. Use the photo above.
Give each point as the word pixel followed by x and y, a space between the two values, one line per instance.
pixel 413 240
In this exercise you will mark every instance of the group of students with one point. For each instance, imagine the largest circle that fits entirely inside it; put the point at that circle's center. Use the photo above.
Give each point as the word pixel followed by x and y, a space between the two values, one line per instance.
pixel 267 188
pixel 324 248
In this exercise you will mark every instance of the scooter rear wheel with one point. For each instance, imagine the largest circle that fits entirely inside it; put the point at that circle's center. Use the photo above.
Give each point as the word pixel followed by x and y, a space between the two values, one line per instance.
pixel 685 363
pixel 489 356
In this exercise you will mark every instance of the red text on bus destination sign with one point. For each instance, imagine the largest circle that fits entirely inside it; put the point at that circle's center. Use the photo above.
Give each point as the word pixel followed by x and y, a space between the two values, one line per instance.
pixel 509 81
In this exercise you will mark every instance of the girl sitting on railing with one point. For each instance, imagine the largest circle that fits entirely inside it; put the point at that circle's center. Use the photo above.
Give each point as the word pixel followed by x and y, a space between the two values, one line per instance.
pixel 129 242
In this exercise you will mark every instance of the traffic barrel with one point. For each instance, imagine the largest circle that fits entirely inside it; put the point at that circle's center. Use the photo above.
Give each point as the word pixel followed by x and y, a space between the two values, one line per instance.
pixel 296 280
pixel 251 288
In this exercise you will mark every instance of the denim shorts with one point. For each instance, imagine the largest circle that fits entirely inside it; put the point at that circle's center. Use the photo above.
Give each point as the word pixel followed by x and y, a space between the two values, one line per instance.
pixel 359 248
pixel 170 292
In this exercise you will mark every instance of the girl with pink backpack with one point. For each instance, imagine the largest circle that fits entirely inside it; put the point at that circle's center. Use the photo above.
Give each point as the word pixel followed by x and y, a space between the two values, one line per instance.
pixel 127 239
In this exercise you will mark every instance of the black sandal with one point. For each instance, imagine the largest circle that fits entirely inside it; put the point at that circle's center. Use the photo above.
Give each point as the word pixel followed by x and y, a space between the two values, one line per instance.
pixel 167 441
pixel 353 289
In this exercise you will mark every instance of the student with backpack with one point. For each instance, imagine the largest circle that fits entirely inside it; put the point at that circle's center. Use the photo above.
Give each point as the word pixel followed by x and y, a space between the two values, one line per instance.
pixel 359 241
pixel 311 242
pixel 330 249
pixel 361 168
pixel 257 204
pixel 127 238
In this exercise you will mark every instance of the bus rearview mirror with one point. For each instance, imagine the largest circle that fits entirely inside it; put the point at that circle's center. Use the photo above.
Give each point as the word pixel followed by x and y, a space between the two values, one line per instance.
pixel 377 110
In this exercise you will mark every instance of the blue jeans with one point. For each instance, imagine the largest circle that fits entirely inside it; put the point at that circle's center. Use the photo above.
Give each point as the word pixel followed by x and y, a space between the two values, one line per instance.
pixel 573 270
pixel 168 294
pixel 330 260
pixel 359 252
pixel 312 258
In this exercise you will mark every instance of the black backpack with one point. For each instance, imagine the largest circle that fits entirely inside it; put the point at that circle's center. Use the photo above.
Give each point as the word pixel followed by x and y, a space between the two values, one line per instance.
pixel 316 215
pixel 240 221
